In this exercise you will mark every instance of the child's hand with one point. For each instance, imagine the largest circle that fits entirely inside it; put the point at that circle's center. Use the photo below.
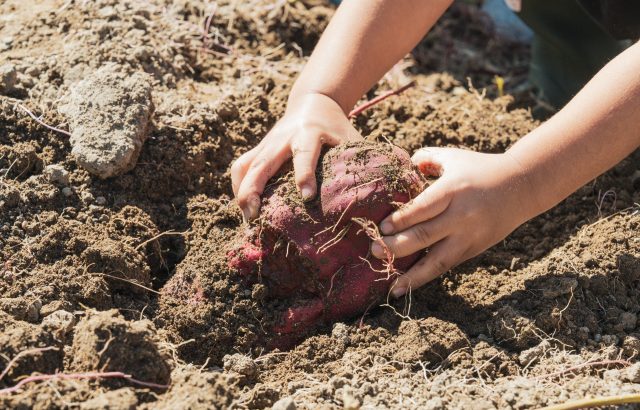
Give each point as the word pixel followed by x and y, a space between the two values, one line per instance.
pixel 477 201
pixel 309 122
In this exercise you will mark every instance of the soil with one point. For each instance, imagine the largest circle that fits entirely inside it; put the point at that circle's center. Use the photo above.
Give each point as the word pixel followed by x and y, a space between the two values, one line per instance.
pixel 83 259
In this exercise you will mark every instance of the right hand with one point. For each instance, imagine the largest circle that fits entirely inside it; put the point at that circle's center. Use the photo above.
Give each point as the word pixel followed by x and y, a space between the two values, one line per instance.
pixel 309 122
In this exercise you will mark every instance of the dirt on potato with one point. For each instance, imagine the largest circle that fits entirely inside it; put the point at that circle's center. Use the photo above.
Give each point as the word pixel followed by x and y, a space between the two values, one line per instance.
pixel 548 315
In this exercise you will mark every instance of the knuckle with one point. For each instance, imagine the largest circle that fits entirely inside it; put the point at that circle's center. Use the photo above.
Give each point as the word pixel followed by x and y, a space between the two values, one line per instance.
pixel 258 163
pixel 440 266
pixel 422 234
pixel 304 175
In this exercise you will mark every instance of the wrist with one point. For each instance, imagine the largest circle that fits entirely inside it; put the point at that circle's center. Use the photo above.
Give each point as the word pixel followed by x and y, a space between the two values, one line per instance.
pixel 529 196
pixel 312 99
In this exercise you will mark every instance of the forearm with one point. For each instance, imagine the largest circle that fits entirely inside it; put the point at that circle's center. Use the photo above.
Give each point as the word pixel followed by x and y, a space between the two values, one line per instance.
pixel 363 40
pixel 598 128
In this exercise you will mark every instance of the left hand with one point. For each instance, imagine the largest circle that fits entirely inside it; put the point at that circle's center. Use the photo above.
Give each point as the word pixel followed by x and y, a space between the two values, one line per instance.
pixel 477 201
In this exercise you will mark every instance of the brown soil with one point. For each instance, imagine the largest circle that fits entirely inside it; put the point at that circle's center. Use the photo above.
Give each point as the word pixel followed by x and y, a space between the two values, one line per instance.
pixel 82 259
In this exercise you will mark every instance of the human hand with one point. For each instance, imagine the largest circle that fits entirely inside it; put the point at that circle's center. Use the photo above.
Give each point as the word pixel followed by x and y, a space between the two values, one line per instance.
pixel 477 201
pixel 310 121
pixel 314 257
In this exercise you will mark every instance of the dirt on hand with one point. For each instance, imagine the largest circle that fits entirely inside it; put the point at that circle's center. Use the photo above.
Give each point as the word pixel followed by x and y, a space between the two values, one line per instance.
pixel 548 315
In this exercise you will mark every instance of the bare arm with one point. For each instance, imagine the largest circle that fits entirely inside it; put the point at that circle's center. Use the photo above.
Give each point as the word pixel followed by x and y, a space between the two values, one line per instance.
pixel 363 40
pixel 595 131
pixel 466 211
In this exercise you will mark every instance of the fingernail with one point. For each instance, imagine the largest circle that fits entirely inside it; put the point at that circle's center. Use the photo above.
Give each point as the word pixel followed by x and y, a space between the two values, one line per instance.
pixel 386 228
pixel 253 206
pixel 377 250
pixel 398 292
pixel 307 193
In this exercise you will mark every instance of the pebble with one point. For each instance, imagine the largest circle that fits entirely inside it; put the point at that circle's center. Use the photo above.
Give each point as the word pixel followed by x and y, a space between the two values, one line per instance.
pixel 102 201
pixel 87 197
pixel 33 311
pixel 340 331
pixel 632 373
pixel 57 174
pixel 285 403
pixel 240 364
pixel 60 321
pixel 66 191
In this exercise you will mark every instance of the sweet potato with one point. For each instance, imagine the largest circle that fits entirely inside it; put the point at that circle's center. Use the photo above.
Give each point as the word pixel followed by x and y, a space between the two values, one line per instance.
pixel 315 255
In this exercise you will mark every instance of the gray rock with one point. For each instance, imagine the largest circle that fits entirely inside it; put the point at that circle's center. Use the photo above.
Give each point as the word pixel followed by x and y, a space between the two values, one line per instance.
pixel 8 78
pixel 109 114
pixel 632 373
pixel 530 355
pixel 240 364
pixel 57 174
pixel 284 404
pixel 33 311
pixel 101 201
pixel 60 321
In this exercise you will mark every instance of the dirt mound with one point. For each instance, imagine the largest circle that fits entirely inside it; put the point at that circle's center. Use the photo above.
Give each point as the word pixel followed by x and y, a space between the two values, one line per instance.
pixel 105 341
pixel 550 314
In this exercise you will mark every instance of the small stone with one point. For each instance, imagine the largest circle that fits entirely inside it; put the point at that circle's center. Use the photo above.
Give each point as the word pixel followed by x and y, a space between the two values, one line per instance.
pixel 60 321
pixel 109 114
pixel 459 91
pixel 528 356
pixel 8 78
pixel 285 403
pixel 240 364
pixel 434 403
pixel 66 191
pixel 631 345
pixel 589 260
pixel 597 337
pixel 558 287
pixel 628 320
pixel 350 401
pixel 87 197
pixel 33 311
pixel 631 373
pixel 611 375
pixel 101 201
pixel 57 174
pixel 340 331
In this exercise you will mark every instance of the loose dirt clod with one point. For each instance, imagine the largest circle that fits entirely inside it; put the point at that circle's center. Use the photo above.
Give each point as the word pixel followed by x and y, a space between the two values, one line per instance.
pixel 105 341
pixel 109 114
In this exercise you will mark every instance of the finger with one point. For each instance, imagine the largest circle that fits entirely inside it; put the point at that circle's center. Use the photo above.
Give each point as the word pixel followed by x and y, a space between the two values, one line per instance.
pixel 263 167
pixel 411 240
pixel 240 167
pixel 429 203
pixel 305 159
pixel 441 257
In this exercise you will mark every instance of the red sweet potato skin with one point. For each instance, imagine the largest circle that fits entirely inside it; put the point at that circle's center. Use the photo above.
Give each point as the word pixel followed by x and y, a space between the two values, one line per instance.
pixel 315 254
